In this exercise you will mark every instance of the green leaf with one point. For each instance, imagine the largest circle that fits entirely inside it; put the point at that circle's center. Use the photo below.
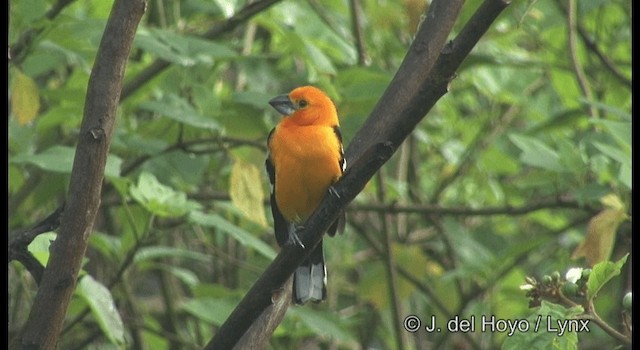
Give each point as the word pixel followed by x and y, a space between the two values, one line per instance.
pixel 212 310
pixel 613 110
pixel 39 247
pixel 325 323
pixel 614 152
pixel 108 245
pixel 180 110
pixel 537 153
pixel 544 330
pixel 318 60
pixel 621 131
pixel 103 309
pixel 159 199
pixel 601 273
pixel 59 159
pixel 245 238
pixel 246 191
pixel 561 120
pixel 156 252
pixel 181 49
pixel 494 161
pixel 624 175
pixel 187 276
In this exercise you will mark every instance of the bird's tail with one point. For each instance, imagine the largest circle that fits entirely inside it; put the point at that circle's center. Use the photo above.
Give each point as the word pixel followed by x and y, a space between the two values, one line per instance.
pixel 310 278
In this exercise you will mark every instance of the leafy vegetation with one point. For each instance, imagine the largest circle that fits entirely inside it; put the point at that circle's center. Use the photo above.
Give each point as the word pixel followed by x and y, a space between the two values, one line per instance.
pixel 520 172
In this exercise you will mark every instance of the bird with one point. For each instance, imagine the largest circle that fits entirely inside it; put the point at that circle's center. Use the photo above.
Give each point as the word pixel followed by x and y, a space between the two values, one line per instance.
pixel 305 158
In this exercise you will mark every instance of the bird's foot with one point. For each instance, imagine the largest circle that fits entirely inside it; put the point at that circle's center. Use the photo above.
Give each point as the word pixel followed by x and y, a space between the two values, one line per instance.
pixel 294 239
pixel 332 191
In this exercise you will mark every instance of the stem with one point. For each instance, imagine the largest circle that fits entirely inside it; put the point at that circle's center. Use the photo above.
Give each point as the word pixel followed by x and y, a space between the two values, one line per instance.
pixel 390 264
pixel 592 315
pixel 573 55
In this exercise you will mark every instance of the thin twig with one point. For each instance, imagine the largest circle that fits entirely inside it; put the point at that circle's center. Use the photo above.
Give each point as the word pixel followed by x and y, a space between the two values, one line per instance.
pixel 18 246
pixel 555 203
pixel 358 32
pixel 223 143
pixel 592 45
pixel 390 263
pixel 593 315
pixel 581 77
pixel 424 288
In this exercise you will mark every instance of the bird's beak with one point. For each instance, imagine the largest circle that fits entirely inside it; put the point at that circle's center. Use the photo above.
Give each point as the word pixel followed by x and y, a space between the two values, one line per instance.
pixel 283 104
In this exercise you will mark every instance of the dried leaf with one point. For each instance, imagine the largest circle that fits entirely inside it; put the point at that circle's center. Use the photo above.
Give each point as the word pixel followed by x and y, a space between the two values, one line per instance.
pixel 25 98
pixel 247 194
pixel 601 233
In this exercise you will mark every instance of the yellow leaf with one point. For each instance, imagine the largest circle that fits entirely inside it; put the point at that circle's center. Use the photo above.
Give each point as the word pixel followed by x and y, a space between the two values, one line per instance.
pixel 247 194
pixel 601 234
pixel 612 201
pixel 25 98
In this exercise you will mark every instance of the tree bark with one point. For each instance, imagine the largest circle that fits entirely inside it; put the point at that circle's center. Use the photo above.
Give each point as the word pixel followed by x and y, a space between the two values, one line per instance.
pixel 47 314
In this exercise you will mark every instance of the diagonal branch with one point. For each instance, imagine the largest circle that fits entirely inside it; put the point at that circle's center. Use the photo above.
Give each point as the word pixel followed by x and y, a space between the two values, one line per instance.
pixel 581 76
pixel 45 321
pixel 18 246
pixel 420 81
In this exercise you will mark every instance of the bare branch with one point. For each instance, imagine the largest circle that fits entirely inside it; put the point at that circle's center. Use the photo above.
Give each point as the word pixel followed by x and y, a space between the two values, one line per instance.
pixel 558 203
pixel 581 77
pixel 20 242
pixel 390 267
pixel 358 34
pixel 591 45
pixel 45 321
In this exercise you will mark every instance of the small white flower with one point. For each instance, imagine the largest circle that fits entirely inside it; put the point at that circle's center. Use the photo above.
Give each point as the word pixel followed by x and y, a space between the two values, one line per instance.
pixel 527 287
pixel 574 274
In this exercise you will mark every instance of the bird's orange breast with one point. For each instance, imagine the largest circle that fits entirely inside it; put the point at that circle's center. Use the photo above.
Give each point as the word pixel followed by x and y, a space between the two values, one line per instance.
pixel 306 161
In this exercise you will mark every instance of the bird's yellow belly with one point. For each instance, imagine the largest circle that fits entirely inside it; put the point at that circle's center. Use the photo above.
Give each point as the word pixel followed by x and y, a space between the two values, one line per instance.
pixel 309 172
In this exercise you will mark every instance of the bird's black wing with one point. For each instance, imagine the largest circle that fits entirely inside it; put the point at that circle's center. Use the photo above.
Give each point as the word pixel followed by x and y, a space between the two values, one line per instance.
pixel 281 226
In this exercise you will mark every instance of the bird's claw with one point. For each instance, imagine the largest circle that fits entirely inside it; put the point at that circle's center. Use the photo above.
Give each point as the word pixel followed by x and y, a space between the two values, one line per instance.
pixel 332 190
pixel 294 239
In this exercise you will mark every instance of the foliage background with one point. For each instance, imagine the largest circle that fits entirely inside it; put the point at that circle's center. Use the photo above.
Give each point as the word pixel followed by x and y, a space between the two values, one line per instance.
pixel 527 158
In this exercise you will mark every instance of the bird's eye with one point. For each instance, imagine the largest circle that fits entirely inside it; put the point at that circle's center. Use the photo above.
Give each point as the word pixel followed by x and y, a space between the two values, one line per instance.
pixel 303 103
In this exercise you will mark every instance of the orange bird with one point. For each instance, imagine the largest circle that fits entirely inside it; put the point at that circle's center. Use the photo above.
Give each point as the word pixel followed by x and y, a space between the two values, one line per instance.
pixel 305 158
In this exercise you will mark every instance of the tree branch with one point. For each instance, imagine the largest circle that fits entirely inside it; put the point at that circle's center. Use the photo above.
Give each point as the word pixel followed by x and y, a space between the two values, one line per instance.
pixel 43 326
pixel 592 45
pixel 413 91
pixel 18 247
pixel 581 77
pixel 390 267
pixel 358 34
pixel 556 203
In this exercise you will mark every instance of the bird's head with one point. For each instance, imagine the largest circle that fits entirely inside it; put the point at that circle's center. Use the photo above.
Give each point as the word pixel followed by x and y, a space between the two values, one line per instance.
pixel 306 105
